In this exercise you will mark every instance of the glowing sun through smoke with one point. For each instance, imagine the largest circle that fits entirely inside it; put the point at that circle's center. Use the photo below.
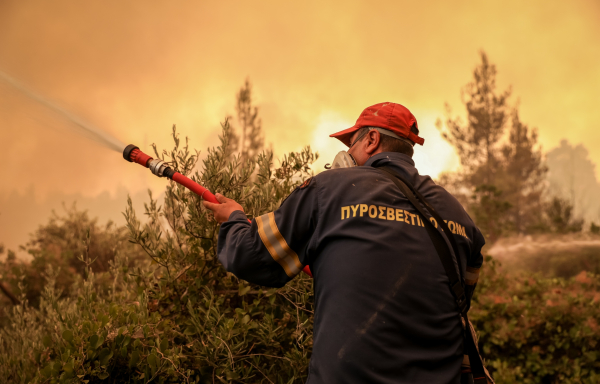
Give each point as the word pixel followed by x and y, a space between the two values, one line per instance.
pixel 433 158
pixel 436 155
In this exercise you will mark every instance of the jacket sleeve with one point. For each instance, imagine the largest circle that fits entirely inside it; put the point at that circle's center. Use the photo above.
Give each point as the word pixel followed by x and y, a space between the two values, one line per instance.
pixel 273 248
pixel 474 264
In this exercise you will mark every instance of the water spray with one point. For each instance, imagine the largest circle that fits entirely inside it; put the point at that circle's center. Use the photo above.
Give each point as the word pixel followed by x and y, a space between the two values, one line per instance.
pixel 83 127
pixel 133 154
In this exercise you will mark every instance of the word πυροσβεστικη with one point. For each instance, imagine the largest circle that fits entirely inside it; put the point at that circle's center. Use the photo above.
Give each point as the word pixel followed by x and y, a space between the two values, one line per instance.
pixel 395 214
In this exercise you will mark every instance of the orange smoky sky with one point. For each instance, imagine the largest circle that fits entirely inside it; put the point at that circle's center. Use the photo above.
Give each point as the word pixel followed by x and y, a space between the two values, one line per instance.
pixel 135 68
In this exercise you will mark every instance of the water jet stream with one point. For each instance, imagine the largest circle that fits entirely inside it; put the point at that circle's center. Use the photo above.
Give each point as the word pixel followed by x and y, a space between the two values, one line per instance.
pixel 86 129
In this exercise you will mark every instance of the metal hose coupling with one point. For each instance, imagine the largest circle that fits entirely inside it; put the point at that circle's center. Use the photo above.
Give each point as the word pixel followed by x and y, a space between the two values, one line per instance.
pixel 160 168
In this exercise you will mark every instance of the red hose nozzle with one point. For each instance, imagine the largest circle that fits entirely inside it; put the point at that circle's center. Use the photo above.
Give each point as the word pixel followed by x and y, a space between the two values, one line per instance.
pixel 133 154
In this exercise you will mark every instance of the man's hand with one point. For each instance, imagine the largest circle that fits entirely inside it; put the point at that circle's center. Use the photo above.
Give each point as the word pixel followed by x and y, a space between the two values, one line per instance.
pixel 224 210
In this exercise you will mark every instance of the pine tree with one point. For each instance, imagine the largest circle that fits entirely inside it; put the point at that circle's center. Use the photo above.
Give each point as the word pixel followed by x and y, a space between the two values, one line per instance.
pixel 477 140
pixel 247 139
pixel 502 175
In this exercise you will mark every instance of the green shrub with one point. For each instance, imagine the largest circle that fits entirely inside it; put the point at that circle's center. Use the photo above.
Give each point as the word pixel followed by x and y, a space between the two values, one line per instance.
pixel 59 243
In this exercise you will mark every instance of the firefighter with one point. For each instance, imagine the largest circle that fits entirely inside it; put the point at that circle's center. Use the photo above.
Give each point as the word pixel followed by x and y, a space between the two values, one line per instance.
pixel 384 312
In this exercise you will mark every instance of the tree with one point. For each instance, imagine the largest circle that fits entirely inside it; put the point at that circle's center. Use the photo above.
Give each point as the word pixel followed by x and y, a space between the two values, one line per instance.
pixel 250 141
pixel 502 175
pixel 476 141
pixel 560 217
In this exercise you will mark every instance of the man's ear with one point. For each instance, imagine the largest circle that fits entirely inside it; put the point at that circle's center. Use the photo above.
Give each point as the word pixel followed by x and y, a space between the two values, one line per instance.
pixel 373 141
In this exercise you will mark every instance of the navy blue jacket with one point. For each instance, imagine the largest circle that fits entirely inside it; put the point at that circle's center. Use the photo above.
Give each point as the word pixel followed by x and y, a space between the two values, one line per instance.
pixel 384 312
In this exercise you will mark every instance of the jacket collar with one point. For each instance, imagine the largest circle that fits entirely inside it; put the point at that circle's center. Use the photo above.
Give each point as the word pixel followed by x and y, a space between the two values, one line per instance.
pixel 395 160
pixel 382 158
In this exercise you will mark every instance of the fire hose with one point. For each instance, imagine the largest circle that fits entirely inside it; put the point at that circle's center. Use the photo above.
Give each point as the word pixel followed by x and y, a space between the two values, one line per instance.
pixel 160 168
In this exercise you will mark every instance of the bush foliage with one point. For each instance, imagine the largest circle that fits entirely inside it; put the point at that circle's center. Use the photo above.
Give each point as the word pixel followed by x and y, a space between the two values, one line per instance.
pixel 60 243
pixel 535 329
